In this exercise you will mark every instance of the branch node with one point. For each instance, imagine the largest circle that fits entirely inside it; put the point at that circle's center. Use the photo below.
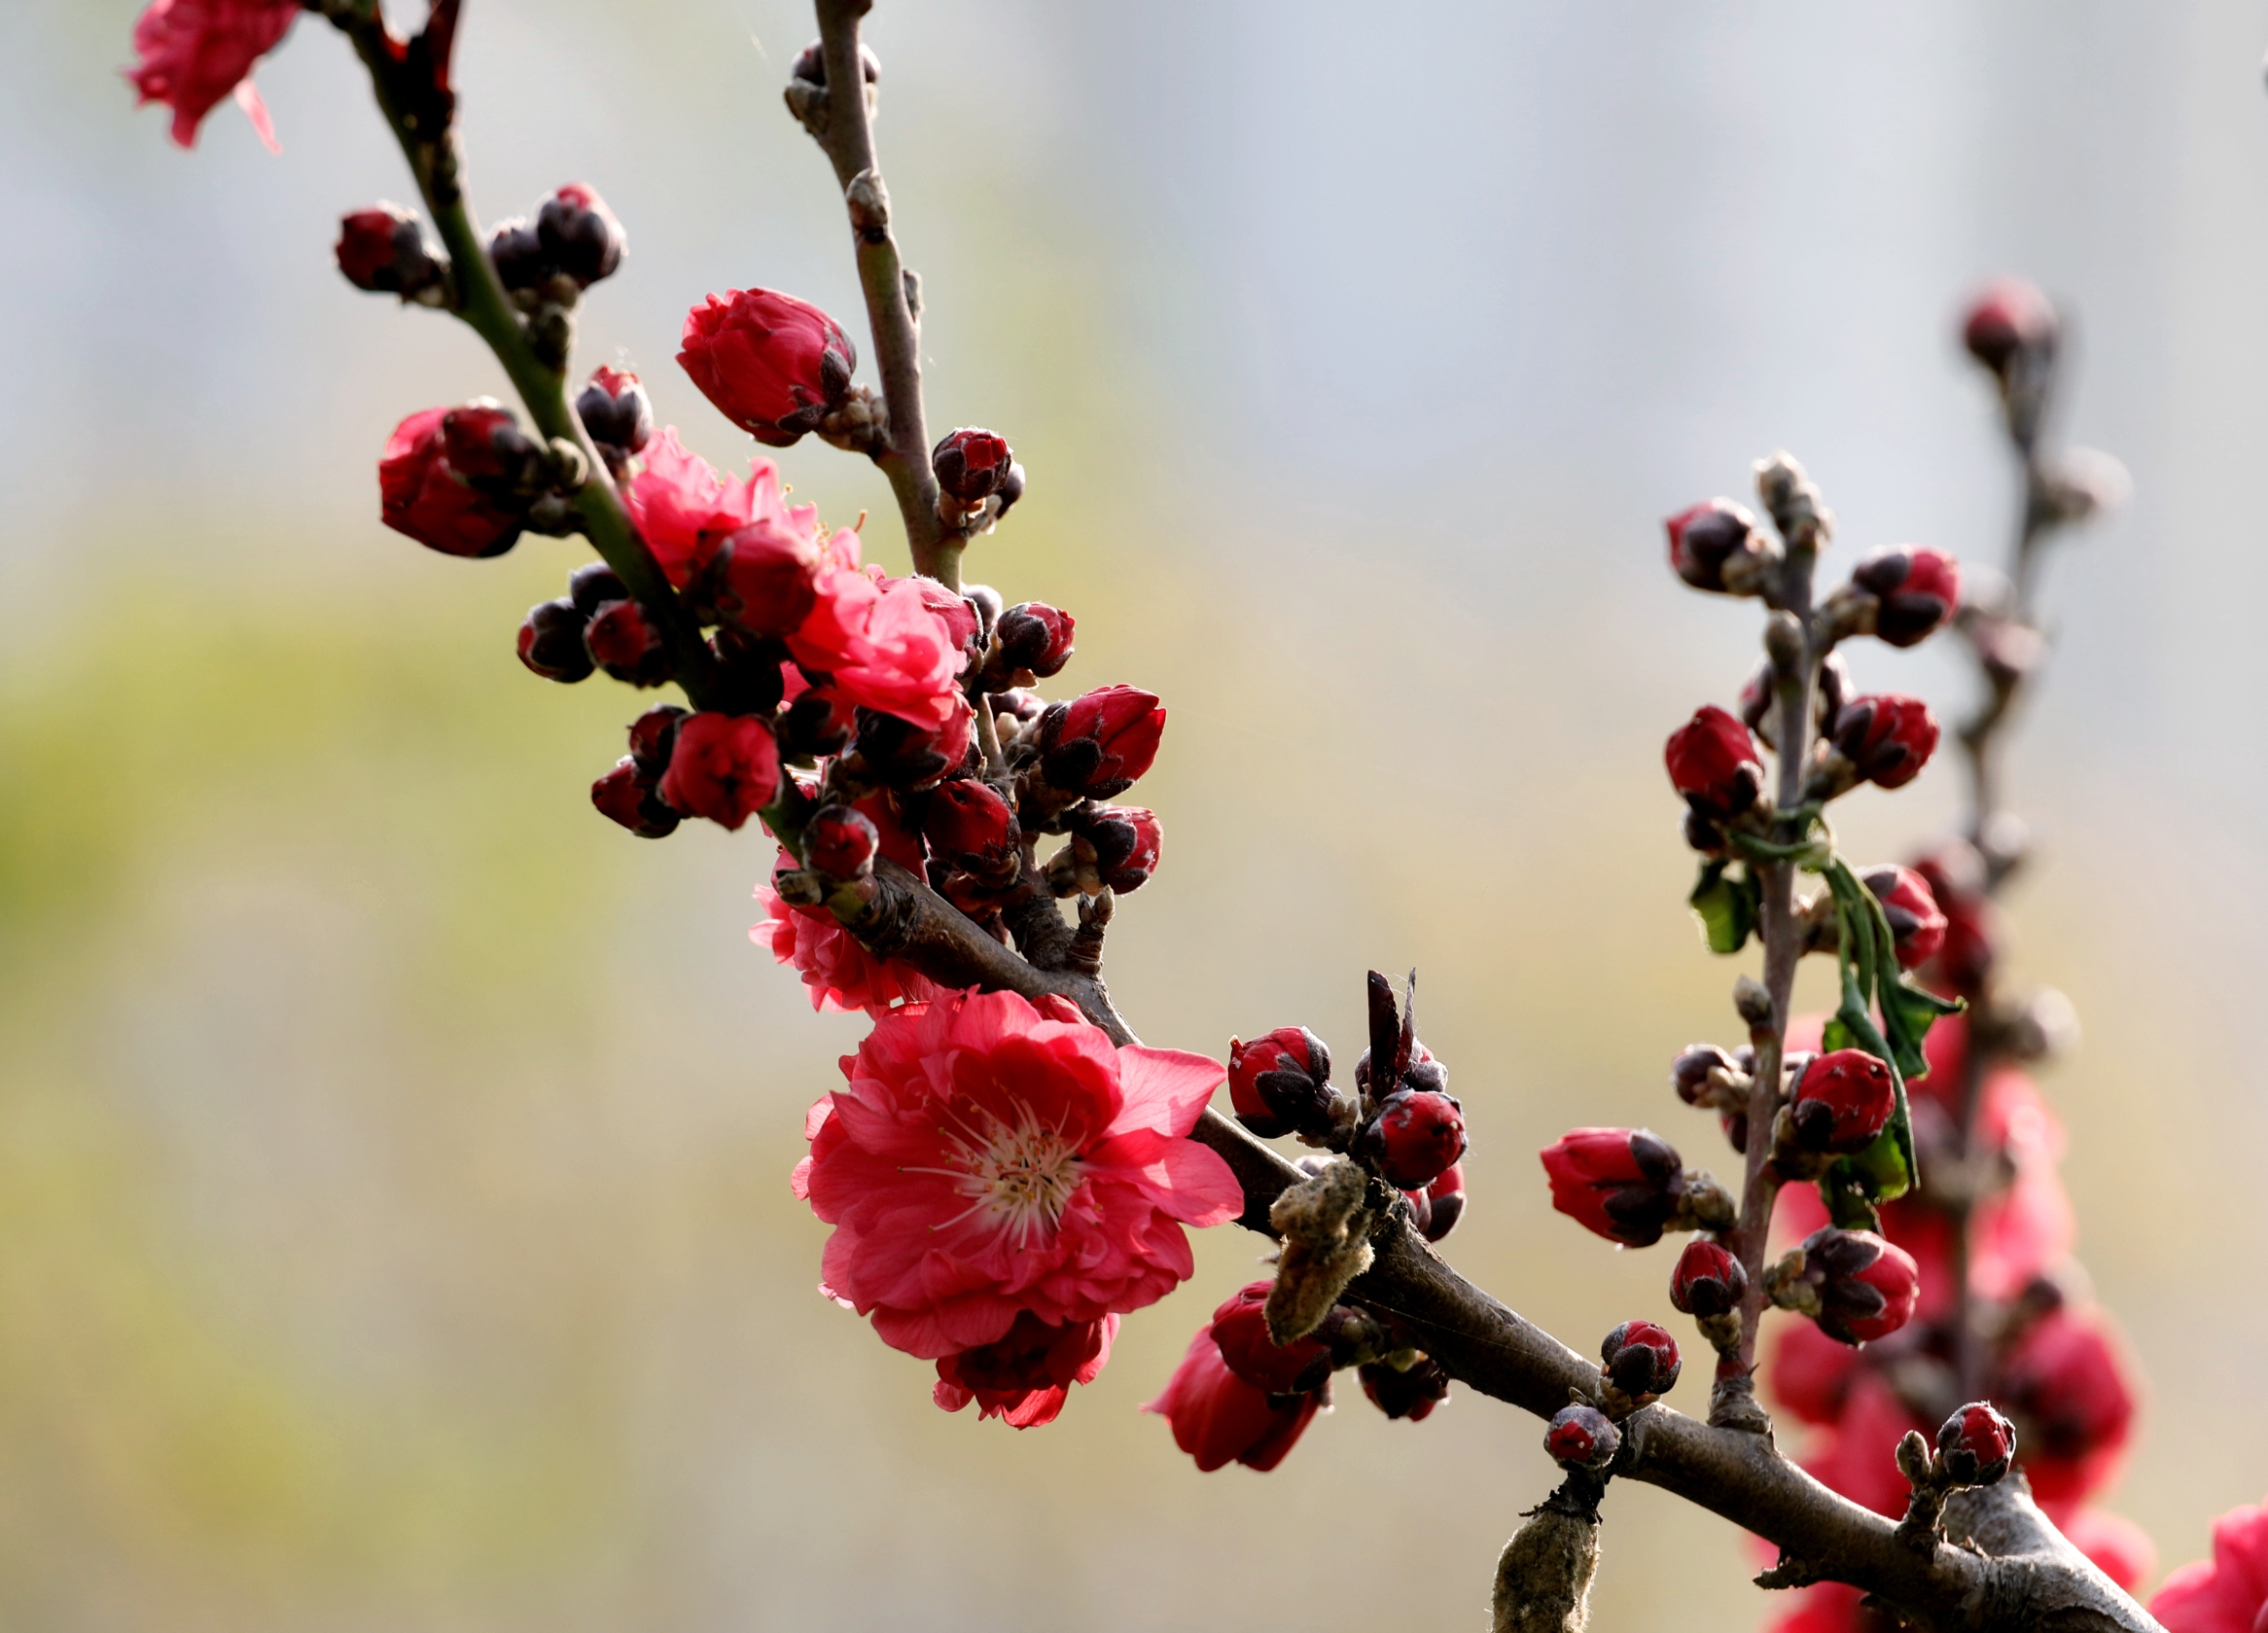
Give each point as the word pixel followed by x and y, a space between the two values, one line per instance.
pixel 1325 1225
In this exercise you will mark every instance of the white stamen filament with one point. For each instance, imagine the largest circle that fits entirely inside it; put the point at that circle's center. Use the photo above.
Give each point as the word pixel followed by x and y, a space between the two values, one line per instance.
pixel 1022 1172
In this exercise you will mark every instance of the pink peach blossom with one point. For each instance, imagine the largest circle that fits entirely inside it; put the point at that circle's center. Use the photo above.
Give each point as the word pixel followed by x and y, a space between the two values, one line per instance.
pixel 839 973
pixel 684 509
pixel 2227 1593
pixel 195 53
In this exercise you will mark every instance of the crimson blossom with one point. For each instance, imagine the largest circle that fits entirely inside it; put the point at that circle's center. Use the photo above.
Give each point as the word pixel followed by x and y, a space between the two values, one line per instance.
pixel 2227 1593
pixel 989 1157
pixel 838 972
pixel 194 52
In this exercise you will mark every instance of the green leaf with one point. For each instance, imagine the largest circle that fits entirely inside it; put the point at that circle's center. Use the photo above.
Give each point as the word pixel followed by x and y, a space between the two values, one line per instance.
pixel 1727 904
pixel 1868 953
pixel 1848 1209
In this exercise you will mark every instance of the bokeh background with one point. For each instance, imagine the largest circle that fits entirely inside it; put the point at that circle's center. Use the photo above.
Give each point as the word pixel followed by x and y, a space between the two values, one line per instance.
pixel 394 1223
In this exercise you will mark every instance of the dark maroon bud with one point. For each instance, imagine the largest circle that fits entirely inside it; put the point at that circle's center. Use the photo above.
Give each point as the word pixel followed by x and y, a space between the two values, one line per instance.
pixel 625 644
pixel 1717 545
pixel 627 796
pixel 841 842
pixel 903 755
pixel 652 734
pixel 1843 1100
pixel 578 234
pixel 1712 761
pixel 1760 701
pixel 1582 1437
pixel 1689 1073
pixel 819 722
pixel 1709 1281
pixel 1098 744
pixel 1409 1393
pixel 1702 834
pixel 1035 643
pixel 1641 1359
pixel 518 254
pixel 1916 590
pixel 1977 1444
pixel 2009 317
pixel 1889 738
pixel 551 642
pixel 1281 1084
pixel 592 585
pixel 969 824
pixel 383 249
pixel 615 410
pixel 1010 488
pixel 1415 1138
pixel 811 65
pixel 970 464
pixel 1445 1203
pixel 484 445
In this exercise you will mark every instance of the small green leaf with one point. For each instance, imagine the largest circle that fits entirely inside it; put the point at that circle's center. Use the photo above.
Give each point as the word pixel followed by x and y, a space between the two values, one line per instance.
pixel 1847 1208
pixel 1726 903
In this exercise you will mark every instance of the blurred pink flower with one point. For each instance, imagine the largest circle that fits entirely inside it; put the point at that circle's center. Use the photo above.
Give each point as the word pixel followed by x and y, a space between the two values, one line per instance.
pixel 2227 1593
pixel 194 52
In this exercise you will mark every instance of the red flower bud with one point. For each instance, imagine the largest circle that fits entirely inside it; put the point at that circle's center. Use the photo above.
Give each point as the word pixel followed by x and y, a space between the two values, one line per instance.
pixel 1218 1418
pixel 841 842
pixel 762 580
pixel 625 643
pixel 1411 1392
pixel 1641 1359
pixel 485 447
pixel 1714 763
pixel 819 721
pixel 1888 736
pixel 1444 1203
pixel 970 464
pixel 1977 1444
pixel 627 796
pixel 904 754
pixel 1621 1182
pixel 1098 744
pixel 421 495
pixel 1118 844
pixel 383 249
pixel 1867 1286
pixel 1842 1101
pixel 725 767
pixel 1716 545
pixel 1709 1281
pixel 1955 874
pixel 1916 590
pixel 1281 1084
pixel 1241 1328
pixel 2008 316
pixel 615 410
pixel 900 840
pixel 578 234
pixel 1035 643
pixel 1414 1138
pixel 1582 1437
pixel 652 734
pixel 2066 1383
pixel 970 824
pixel 772 364
pixel 551 642
pixel 1917 928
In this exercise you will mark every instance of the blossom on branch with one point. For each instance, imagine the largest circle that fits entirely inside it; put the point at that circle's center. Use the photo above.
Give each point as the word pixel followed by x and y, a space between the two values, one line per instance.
pixel 194 52
pixel 838 971
pixel 1024 1377
pixel 1220 1418
pixel 773 365
pixel 989 1155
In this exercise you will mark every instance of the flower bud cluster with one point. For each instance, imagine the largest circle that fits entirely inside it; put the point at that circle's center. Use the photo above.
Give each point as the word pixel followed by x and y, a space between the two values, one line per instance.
pixel 573 241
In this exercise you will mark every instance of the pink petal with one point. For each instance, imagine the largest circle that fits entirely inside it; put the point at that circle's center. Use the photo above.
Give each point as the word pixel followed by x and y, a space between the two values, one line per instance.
pixel 256 110
pixel 1165 1089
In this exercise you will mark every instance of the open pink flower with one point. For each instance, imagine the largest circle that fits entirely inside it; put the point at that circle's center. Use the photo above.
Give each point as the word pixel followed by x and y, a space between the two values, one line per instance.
pixel 988 1156
pixel 2227 1593
pixel 1024 1379
pixel 885 647
pixel 194 52
pixel 684 509
pixel 840 973
pixel 1219 1418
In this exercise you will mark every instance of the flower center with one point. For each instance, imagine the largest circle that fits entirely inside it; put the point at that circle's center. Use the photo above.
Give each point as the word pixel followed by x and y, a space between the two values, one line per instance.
pixel 1022 1172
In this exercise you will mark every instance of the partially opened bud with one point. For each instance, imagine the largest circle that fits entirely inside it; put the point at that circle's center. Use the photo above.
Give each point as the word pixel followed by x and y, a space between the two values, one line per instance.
pixel 1582 1437
pixel 578 234
pixel 762 580
pixel 1622 1182
pixel 1416 1137
pixel 1098 744
pixel 1888 737
pixel 422 495
pixel 1281 1084
pixel 1977 1444
pixel 627 796
pixel 725 767
pixel 1717 545
pixel 2009 316
pixel 625 643
pixel 1709 1281
pixel 1641 1359
pixel 1843 1100
pixel 841 842
pixel 968 823
pixel 970 464
pixel 1241 1328
pixel 383 249
pixel 615 410
pixel 551 642
pixel 772 364
pixel 1865 1287
pixel 1714 763
pixel 1915 927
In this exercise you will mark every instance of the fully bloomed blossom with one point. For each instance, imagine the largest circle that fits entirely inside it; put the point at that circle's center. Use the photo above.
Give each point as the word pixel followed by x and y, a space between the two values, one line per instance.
pixel 1023 1378
pixel 1219 1418
pixel 989 1156
pixel 880 641
pixel 194 52
pixel 684 509
pixel 839 973
pixel 2227 1593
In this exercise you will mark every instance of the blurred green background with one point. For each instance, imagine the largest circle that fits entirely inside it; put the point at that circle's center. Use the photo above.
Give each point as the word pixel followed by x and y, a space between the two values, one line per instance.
pixel 394 1226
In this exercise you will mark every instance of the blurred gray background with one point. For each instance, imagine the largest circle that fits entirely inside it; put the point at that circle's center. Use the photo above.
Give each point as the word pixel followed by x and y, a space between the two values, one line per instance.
pixel 394 1229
